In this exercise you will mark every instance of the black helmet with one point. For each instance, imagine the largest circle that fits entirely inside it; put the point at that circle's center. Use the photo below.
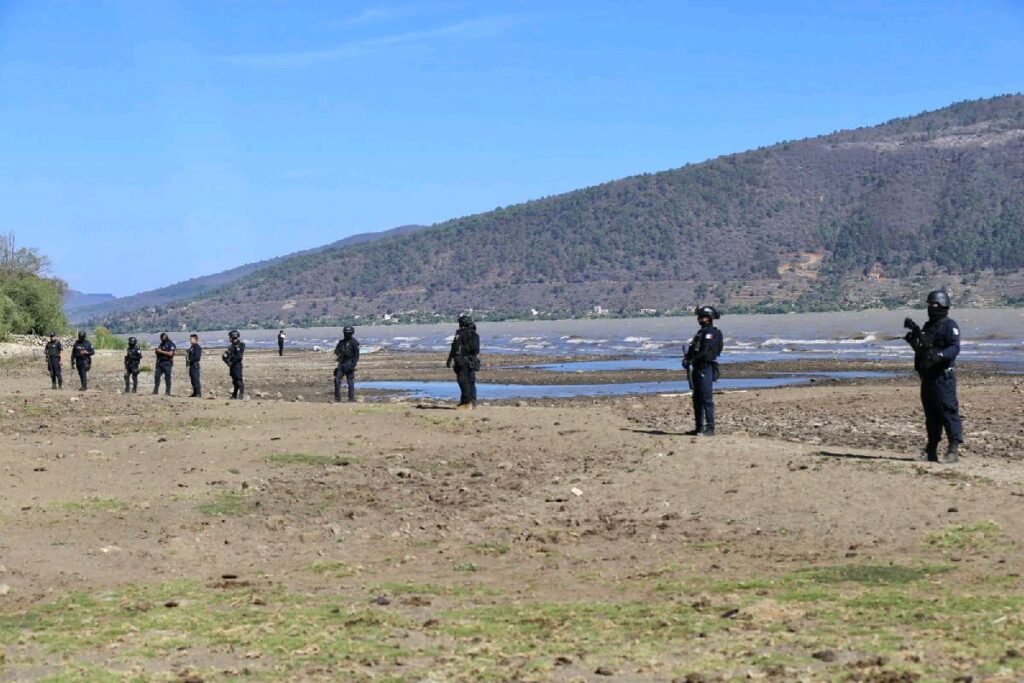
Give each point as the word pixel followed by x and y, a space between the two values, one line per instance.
pixel 52 335
pixel 233 335
pixel 939 297
pixel 707 312
pixel 81 336
pixel 349 330
pixel 465 320
pixel 164 336
pixel 132 341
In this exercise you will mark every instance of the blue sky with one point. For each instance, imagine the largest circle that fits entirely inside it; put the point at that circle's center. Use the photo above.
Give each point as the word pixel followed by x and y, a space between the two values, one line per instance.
pixel 144 143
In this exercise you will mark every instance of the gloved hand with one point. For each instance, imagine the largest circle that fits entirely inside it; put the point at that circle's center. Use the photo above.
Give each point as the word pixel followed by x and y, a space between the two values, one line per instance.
pixel 449 363
pixel 686 364
pixel 909 323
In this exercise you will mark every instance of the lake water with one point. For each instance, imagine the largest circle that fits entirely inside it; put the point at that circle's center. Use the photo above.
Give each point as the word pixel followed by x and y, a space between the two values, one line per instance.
pixel 990 335
pixel 493 392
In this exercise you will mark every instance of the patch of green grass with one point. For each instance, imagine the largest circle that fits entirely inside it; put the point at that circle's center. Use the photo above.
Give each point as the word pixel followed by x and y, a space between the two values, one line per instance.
pixel 91 506
pixel 966 537
pixel 227 504
pixel 867 574
pixel 299 636
pixel 490 548
pixel 285 459
pixel 335 568
pixel 467 567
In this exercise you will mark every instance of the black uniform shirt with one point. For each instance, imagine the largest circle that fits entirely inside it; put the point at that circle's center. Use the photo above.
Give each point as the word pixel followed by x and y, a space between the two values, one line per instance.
pixel 233 356
pixel 706 346
pixel 195 354
pixel 132 358
pixel 161 359
pixel 82 352
pixel 347 351
pixel 54 349
pixel 942 337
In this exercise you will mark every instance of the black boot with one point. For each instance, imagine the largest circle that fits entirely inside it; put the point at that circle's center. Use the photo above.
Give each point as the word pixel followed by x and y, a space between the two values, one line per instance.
pixel 930 453
pixel 708 431
pixel 952 453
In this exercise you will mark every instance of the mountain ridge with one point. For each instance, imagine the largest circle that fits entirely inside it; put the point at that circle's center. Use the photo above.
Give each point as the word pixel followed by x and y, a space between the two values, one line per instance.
pixel 194 287
pixel 855 218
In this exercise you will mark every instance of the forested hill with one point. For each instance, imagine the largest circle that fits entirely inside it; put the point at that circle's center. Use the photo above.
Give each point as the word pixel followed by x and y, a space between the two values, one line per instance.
pixel 79 310
pixel 873 216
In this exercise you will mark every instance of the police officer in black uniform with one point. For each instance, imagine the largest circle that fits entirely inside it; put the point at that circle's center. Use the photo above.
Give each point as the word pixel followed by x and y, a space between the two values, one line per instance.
pixel 465 355
pixel 701 364
pixel 347 353
pixel 53 352
pixel 281 336
pixel 132 360
pixel 192 360
pixel 232 357
pixel 164 363
pixel 936 346
pixel 81 358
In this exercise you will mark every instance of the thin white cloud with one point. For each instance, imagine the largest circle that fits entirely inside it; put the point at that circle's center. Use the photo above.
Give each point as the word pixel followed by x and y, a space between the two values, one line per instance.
pixel 470 29
pixel 372 15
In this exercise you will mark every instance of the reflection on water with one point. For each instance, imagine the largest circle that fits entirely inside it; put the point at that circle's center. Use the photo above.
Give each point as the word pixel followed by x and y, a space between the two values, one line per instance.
pixel 494 392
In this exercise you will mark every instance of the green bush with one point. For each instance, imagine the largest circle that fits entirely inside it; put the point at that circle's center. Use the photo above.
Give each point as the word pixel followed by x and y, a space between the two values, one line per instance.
pixel 30 305
pixel 102 338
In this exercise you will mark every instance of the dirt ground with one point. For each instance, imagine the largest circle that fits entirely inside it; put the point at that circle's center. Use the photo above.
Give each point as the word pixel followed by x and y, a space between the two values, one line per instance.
pixel 152 538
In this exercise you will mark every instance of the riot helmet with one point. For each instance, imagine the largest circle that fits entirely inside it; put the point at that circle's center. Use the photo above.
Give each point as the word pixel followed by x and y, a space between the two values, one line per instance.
pixel 348 330
pixel 132 341
pixel 233 335
pixel 939 297
pixel 81 336
pixel 465 320
pixel 707 312
pixel 53 335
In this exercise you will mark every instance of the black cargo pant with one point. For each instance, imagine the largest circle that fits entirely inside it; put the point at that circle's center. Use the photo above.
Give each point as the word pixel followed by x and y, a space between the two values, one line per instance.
pixel 131 379
pixel 193 377
pixel 465 375
pixel 163 370
pixel 83 375
pixel 237 383
pixel 280 347
pixel 703 397
pixel 53 365
pixel 348 371
pixel 941 408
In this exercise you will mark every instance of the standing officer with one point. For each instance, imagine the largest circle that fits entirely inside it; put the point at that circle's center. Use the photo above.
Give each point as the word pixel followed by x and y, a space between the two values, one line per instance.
pixel 54 352
pixel 164 363
pixel 195 354
pixel 936 347
pixel 132 359
pixel 281 336
pixel 233 358
pixel 465 354
pixel 347 353
pixel 81 358
pixel 701 363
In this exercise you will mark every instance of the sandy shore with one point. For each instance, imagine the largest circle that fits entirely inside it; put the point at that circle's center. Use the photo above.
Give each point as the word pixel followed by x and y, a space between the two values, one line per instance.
pixel 573 540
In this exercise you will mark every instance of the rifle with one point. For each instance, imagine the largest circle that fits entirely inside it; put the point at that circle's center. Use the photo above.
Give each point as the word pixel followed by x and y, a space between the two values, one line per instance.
pixel 926 357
